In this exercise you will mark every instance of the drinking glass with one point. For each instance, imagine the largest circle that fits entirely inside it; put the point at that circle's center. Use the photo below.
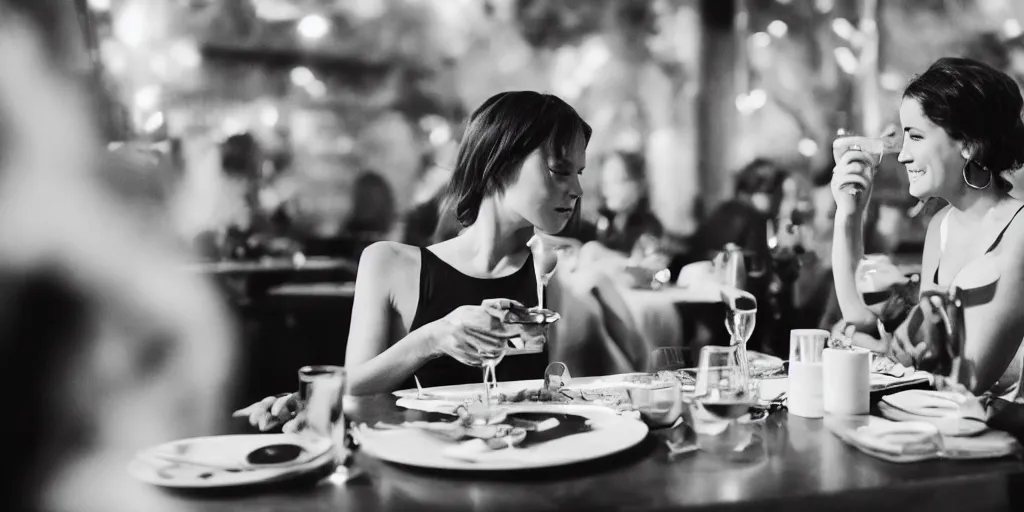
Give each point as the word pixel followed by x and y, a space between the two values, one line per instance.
pixel 667 359
pixel 660 403
pixel 490 361
pixel 321 392
pixel 721 400
pixel 875 147
pixel 545 248
pixel 740 319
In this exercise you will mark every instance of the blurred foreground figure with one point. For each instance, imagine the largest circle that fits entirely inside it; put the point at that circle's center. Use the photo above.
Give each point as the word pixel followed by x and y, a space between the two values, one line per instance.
pixel 108 345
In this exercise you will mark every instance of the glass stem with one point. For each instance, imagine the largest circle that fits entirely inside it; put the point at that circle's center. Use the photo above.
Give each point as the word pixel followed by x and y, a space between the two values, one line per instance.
pixel 487 388
pixel 741 355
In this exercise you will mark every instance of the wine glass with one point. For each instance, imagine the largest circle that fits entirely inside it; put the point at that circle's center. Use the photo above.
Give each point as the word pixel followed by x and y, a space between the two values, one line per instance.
pixel 875 147
pixel 545 248
pixel 489 361
pixel 721 399
pixel 740 320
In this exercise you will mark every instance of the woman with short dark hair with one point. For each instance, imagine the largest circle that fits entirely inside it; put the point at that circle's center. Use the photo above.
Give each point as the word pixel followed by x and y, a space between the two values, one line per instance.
pixel 625 214
pixel 961 129
pixel 435 311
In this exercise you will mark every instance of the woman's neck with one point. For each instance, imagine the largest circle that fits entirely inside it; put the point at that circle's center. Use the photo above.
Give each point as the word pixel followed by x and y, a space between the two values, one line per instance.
pixel 496 237
pixel 973 204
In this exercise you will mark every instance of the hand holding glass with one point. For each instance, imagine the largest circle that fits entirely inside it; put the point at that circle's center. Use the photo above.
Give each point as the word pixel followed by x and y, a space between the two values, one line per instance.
pixel 875 147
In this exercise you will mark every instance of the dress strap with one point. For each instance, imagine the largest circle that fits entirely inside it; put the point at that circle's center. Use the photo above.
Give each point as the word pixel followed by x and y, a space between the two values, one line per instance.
pixel 944 231
pixel 1002 231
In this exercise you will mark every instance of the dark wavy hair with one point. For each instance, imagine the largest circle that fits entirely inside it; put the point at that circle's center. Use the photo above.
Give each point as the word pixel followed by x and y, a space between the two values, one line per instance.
pixel 499 136
pixel 977 104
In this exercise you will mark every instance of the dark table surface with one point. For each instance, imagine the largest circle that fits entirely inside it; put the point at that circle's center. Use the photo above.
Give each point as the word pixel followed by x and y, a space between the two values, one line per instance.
pixel 808 468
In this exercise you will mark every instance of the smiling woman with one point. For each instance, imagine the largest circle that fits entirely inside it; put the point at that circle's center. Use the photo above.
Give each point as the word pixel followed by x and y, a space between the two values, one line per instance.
pixel 517 172
pixel 962 128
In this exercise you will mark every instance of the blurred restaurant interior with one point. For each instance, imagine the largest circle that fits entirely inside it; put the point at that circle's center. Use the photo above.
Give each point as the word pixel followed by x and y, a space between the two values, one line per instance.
pixel 316 128
pixel 281 138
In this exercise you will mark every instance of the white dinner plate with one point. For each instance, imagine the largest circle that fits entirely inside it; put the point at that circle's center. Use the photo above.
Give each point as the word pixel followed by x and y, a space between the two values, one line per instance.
pixel 209 460
pixel 609 433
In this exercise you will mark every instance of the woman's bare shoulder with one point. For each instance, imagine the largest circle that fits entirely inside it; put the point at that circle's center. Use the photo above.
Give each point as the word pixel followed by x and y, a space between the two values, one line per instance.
pixel 1013 233
pixel 390 258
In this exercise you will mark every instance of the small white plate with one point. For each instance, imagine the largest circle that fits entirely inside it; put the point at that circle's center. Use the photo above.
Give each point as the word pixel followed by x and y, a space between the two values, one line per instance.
pixel 161 465
pixel 609 433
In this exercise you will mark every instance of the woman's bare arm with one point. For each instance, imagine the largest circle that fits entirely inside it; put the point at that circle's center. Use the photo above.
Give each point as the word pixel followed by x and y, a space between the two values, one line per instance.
pixel 375 365
pixel 847 251
pixel 994 330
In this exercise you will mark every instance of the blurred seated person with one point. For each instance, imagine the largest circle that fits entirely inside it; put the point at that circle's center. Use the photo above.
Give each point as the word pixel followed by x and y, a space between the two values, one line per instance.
pixel 743 220
pixel 226 233
pixel 370 219
pixel 626 240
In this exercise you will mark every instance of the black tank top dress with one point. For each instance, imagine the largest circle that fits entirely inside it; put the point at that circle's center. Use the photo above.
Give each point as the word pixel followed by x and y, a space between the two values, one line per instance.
pixel 442 290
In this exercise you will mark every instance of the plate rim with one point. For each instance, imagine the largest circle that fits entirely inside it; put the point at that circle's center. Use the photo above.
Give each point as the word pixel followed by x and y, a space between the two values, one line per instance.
pixel 142 471
pixel 636 428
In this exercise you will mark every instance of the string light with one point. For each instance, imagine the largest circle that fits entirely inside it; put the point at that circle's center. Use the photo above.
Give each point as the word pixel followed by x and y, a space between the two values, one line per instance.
pixel 317 89
pixel 807 147
pixel 750 102
pixel 313 26
pixel 186 54
pixel 847 61
pixel 147 97
pixel 760 40
pixel 269 116
pixel 843 28
pixel 890 80
pixel 778 28
pixel 153 122
pixel 302 76
pixel 1012 28
pixel 100 5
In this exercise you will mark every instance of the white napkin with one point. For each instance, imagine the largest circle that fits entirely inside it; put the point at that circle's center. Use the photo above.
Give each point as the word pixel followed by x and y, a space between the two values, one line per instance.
pixel 953 414
pixel 912 441
pixel 880 381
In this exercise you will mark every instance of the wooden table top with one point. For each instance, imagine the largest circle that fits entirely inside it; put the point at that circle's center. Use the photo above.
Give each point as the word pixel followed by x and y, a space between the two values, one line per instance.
pixel 808 469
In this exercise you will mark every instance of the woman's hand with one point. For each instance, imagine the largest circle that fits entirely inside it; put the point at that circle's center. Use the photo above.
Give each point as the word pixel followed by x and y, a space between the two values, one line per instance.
pixel 470 333
pixel 272 412
pixel 853 168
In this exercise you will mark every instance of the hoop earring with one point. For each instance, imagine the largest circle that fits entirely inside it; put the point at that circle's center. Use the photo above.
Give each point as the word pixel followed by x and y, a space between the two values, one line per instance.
pixel 963 172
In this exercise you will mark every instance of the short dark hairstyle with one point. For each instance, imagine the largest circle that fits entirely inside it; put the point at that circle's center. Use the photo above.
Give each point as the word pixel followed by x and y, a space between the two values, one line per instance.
pixel 977 104
pixel 499 136
pixel 760 176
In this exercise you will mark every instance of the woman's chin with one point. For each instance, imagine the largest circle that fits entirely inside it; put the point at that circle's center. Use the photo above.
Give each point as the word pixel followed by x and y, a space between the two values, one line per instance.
pixel 553 226
pixel 919 192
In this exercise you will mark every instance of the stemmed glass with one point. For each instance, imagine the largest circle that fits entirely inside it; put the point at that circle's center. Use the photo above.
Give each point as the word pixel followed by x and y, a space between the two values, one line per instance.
pixel 740 319
pixel 490 361
pixel 889 142
pixel 721 397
